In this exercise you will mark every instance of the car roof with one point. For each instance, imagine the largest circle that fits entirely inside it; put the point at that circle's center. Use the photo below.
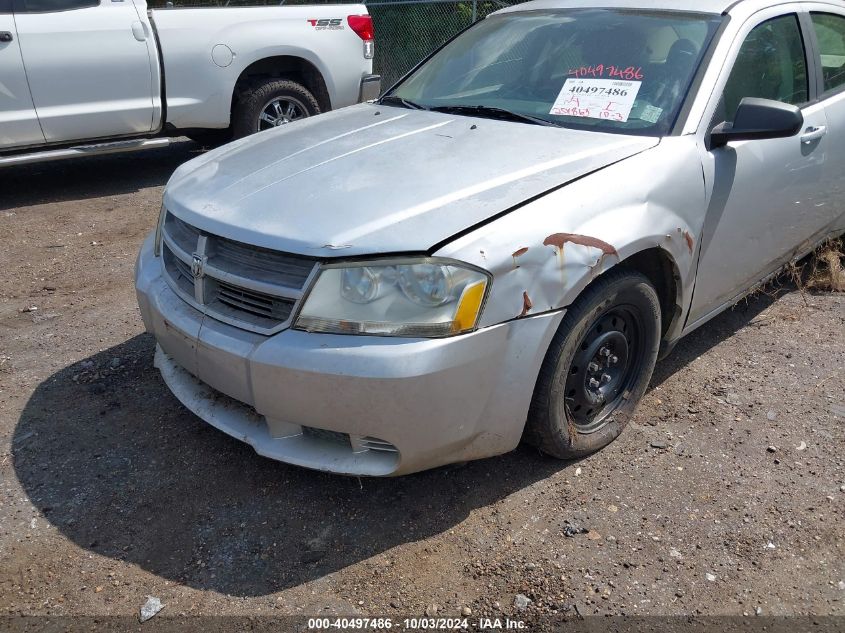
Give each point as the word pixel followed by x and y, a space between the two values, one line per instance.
pixel 698 6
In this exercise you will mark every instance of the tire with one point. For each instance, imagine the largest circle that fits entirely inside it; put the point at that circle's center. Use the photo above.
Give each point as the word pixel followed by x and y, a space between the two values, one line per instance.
pixel 611 331
pixel 295 100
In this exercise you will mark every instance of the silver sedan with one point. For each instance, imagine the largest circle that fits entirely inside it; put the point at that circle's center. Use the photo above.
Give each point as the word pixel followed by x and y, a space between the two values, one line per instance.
pixel 502 245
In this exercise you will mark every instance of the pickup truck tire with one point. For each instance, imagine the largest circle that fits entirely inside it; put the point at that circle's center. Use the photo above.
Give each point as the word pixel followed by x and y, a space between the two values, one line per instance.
pixel 598 366
pixel 270 103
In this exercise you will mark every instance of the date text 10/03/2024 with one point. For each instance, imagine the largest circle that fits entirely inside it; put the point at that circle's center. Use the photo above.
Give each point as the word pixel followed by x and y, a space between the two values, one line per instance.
pixel 416 624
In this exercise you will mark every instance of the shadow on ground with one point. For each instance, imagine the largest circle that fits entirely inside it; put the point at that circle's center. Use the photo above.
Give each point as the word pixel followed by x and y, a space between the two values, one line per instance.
pixel 94 177
pixel 115 462
pixel 123 470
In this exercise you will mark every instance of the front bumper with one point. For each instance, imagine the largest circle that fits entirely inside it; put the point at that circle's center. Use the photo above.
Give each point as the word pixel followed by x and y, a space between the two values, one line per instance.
pixel 347 404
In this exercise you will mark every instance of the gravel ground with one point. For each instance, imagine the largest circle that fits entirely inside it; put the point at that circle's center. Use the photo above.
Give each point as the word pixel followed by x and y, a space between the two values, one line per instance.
pixel 725 496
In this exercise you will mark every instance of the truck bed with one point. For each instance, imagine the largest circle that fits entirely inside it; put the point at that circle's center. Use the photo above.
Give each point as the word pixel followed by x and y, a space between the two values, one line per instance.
pixel 204 52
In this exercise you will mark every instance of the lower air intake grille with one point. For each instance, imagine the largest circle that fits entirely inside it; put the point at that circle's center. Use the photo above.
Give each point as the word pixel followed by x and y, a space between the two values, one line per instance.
pixel 375 444
pixel 328 436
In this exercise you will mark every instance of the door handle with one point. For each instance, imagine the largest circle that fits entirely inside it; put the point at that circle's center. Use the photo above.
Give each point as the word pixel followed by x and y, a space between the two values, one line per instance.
pixel 6 36
pixel 813 134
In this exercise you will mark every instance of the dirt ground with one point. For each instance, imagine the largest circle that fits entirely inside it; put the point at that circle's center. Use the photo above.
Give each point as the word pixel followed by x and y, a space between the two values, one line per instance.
pixel 725 496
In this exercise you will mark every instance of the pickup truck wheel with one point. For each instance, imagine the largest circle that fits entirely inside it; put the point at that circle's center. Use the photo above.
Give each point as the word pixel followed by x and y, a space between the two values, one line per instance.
pixel 597 368
pixel 272 103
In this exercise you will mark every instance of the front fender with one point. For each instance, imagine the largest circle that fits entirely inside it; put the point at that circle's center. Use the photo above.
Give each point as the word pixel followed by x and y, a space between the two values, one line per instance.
pixel 543 254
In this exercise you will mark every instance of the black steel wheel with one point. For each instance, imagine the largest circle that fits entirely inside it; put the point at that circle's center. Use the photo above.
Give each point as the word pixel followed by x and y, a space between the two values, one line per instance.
pixel 598 366
pixel 604 368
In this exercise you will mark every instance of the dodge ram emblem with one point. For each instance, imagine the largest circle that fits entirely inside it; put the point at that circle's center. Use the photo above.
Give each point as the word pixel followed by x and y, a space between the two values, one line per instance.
pixel 197 265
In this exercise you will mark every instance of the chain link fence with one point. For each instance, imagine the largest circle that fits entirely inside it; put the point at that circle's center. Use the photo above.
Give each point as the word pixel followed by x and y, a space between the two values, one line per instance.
pixel 406 30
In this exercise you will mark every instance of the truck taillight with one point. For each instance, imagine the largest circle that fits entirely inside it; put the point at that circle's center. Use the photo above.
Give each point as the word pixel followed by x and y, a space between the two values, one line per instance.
pixel 363 26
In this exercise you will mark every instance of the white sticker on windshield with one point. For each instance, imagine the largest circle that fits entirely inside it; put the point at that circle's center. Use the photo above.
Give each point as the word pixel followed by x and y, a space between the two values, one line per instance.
pixel 609 99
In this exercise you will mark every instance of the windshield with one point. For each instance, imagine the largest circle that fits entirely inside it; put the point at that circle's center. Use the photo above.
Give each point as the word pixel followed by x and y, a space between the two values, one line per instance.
pixel 603 69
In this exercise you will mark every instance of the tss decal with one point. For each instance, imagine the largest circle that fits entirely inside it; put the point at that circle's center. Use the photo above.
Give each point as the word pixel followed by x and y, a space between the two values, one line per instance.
pixel 332 24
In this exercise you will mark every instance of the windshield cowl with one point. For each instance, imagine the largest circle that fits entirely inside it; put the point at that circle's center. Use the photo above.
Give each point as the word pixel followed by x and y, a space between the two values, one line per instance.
pixel 492 113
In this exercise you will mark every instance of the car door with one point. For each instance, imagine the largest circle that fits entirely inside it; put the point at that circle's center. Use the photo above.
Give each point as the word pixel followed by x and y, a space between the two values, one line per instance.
pixel 18 121
pixel 764 194
pixel 829 32
pixel 88 67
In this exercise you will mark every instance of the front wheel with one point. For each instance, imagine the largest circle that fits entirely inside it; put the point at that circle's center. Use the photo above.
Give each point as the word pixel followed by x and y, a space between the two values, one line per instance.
pixel 272 103
pixel 598 366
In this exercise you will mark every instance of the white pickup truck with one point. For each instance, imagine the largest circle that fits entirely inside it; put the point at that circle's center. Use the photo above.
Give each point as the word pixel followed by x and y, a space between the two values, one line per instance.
pixel 92 76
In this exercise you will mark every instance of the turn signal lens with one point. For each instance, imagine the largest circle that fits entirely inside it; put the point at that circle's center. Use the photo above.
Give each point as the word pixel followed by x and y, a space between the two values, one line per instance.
pixel 469 307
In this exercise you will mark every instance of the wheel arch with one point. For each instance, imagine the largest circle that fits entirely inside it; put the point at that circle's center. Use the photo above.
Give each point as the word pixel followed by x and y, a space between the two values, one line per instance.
pixel 657 264
pixel 289 67
pixel 662 271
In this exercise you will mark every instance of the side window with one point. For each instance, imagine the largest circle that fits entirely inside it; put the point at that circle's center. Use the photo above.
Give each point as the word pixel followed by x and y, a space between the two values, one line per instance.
pixel 53 6
pixel 830 32
pixel 771 65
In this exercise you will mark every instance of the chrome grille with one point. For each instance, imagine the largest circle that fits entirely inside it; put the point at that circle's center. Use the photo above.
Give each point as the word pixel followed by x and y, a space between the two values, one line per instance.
pixel 247 286
pixel 179 272
pixel 264 310
pixel 183 234
pixel 262 264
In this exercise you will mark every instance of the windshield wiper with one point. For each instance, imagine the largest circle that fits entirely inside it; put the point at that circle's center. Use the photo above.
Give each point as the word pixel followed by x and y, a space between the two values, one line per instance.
pixel 396 100
pixel 493 113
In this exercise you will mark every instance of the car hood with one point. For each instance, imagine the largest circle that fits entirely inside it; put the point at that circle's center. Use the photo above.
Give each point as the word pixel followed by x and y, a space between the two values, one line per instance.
pixel 377 179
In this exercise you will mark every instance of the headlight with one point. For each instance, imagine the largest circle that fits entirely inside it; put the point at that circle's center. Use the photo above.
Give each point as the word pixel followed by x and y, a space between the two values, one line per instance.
pixel 157 244
pixel 416 298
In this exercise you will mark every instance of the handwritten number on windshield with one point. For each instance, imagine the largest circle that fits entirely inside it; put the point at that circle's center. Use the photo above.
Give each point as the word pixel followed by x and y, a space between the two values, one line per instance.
pixel 629 73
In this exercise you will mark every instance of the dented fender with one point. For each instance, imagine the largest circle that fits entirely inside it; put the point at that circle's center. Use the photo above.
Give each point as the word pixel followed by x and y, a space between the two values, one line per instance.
pixel 543 254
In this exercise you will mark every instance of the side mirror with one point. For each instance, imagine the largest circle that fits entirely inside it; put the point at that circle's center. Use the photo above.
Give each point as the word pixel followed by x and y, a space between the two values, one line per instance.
pixel 758 119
